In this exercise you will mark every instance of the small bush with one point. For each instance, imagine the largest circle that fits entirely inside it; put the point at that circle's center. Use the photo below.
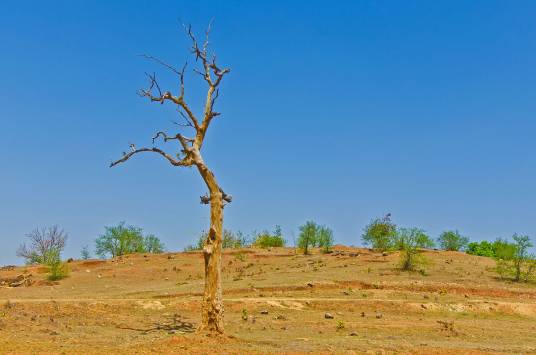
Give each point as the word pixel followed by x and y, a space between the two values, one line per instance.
pixel 234 240
pixel 314 235
pixel 409 241
pixel 265 240
pixel 380 233
pixel 483 248
pixel 325 239
pixel 153 245
pixel 121 240
pixel 452 240
pixel 499 249
pixel 230 241
pixel 269 240
pixel 84 253
pixel 308 236
pixel 57 269
pixel 514 260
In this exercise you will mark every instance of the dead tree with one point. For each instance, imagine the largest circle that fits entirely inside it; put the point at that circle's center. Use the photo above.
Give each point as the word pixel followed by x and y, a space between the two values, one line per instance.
pixel 190 156
pixel 43 241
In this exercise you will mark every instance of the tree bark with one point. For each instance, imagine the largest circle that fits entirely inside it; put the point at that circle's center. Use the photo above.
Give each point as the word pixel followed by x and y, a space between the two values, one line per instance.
pixel 212 307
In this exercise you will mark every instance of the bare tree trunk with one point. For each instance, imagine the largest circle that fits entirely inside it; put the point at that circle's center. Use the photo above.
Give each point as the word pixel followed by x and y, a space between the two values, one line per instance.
pixel 212 307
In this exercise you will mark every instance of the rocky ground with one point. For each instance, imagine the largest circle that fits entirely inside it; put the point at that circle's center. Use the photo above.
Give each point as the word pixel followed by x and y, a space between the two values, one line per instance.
pixel 350 301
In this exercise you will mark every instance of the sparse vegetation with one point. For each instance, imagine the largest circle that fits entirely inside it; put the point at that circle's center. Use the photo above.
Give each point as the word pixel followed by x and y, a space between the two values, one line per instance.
pixel 483 248
pixel 409 241
pixel 452 240
pixel 152 245
pixel 234 240
pixel 308 236
pixel 84 253
pixel 44 243
pixel 230 240
pixel 269 240
pixel 121 240
pixel 325 239
pixel 380 233
pixel 57 269
pixel 314 235
pixel 516 262
pixel 499 249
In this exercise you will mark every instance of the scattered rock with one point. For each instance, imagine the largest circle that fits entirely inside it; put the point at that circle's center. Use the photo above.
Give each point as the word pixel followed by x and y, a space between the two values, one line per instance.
pixel 264 311
pixel 353 334
pixel 328 316
pixel 310 284
pixel 379 315
pixel 362 314
pixel 423 306
pixel 70 260
pixel 385 254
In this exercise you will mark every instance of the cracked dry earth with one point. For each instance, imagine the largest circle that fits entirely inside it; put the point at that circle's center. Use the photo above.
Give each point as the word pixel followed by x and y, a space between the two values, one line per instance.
pixel 352 301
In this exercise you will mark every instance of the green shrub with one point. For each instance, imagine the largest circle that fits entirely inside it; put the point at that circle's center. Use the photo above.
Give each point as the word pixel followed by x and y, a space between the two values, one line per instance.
pixel 84 253
pixel 504 250
pixel 266 239
pixel 452 240
pixel 499 249
pixel 230 241
pixel 308 236
pixel 325 239
pixel 234 240
pixel 514 260
pixel 483 248
pixel 153 245
pixel 409 241
pixel 380 233
pixel 57 269
pixel 314 235
pixel 121 240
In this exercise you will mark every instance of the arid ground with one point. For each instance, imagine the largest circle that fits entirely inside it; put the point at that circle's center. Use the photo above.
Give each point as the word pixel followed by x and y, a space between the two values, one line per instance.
pixel 276 302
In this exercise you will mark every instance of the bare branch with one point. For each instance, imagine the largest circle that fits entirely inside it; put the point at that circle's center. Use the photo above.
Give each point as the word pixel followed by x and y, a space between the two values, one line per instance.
pixel 42 242
pixel 167 96
pixel 184 162
pixel 182 139
pixel 161 62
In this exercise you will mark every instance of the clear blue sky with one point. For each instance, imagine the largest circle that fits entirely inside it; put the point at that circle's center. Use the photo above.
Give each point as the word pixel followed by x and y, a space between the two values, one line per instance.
pixel 334 111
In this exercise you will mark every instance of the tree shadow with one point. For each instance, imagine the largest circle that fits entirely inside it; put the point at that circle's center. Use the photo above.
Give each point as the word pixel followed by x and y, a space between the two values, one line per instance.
pixel 175 325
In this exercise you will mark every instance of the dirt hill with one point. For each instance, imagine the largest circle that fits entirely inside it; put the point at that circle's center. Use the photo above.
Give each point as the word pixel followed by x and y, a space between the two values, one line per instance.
pixel 350 301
